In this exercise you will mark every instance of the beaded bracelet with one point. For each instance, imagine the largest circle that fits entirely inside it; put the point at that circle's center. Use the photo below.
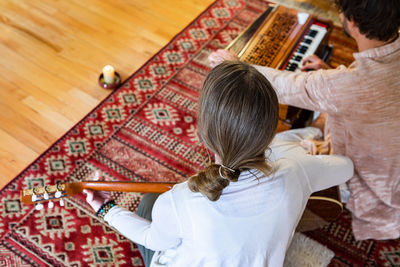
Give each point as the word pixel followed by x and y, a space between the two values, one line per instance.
pixel 105 208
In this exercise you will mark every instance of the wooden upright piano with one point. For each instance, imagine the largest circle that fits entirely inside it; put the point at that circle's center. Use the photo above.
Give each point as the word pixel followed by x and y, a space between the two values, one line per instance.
pixel 281 38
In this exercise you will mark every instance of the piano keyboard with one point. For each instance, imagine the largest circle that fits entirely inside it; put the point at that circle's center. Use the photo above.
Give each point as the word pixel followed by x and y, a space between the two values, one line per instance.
pixel 307 46
pixel 281 38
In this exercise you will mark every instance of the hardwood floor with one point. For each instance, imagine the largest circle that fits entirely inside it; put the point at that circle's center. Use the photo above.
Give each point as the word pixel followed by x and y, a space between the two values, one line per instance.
pixel 52 51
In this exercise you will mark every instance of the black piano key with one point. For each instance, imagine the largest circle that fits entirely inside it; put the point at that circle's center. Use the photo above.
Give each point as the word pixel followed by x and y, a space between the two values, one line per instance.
pixel 307 41
pixel 302 49
pixel 298 58
pixel 312 33
pixel 291 66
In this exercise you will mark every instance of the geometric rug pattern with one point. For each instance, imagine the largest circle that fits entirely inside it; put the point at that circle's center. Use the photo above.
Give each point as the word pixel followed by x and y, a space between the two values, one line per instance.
pixel 145 131
pixel 338 237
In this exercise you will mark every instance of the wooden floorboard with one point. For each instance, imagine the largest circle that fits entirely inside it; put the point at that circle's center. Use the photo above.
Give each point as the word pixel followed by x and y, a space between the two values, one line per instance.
pixel 51 53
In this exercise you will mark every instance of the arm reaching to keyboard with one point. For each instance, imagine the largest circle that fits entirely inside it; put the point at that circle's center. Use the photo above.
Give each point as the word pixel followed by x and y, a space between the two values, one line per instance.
pixel 309 90
pixel 309 63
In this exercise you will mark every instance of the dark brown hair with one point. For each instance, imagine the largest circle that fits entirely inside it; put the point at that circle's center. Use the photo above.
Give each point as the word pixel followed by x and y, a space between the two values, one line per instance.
pixel 376 19
pixel 237 119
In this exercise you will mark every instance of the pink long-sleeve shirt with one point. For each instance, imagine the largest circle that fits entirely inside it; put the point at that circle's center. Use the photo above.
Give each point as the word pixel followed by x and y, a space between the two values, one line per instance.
pixel 363 106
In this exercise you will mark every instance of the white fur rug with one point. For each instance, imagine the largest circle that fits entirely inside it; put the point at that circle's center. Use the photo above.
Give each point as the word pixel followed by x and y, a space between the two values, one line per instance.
pixel 305 252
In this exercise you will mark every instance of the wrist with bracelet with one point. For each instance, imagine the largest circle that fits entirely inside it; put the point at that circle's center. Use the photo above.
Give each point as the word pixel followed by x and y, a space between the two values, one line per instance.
pixel 105 208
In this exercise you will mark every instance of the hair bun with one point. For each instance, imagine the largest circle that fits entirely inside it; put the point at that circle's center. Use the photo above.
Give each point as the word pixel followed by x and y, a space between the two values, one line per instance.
pixel 209 182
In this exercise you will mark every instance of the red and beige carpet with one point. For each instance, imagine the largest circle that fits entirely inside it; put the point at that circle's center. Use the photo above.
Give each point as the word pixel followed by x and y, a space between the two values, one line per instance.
pixel 146 131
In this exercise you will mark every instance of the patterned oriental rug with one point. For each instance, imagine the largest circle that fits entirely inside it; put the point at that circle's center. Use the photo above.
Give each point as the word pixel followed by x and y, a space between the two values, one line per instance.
pixel 146 131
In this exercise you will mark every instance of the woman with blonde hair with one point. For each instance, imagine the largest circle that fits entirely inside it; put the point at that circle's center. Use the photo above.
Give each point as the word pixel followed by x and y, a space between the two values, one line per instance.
pixel 243 209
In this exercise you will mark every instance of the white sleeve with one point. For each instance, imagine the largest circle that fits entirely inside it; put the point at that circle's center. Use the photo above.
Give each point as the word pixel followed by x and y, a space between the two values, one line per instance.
pixel 296 135
pixel 322 171
pixel 160 234
pixel 287 143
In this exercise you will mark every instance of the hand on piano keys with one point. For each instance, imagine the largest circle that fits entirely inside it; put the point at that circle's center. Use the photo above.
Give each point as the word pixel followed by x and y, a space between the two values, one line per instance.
pixel 306 49
pixel 314 63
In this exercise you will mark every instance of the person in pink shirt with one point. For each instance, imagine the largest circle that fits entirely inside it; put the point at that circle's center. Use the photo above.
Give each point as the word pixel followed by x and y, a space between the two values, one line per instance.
pixel 361 103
